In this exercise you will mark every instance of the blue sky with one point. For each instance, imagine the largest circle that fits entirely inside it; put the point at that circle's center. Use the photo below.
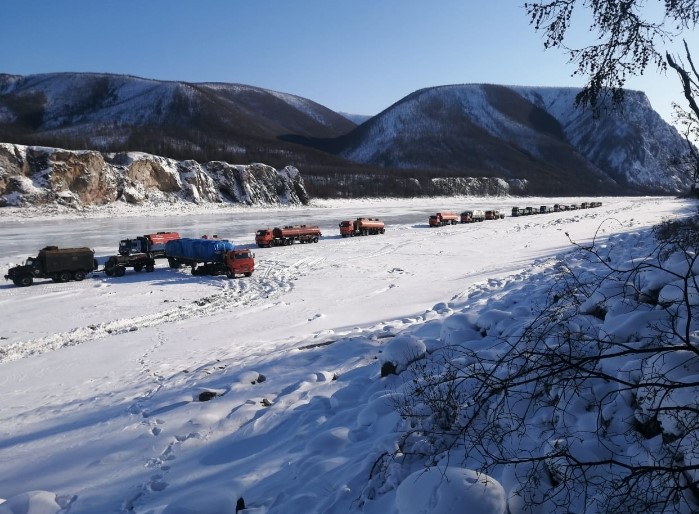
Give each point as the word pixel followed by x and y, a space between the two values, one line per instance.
pixel 357 56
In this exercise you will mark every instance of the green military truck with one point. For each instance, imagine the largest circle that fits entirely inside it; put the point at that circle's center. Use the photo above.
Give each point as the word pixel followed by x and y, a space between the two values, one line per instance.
pixel 58 264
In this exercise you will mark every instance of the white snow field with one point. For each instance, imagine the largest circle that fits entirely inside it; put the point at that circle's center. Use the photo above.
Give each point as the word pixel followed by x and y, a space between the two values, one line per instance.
pixel 100 380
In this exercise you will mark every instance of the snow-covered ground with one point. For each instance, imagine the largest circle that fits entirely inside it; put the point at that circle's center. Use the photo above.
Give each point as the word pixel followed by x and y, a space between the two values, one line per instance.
pixel 100 380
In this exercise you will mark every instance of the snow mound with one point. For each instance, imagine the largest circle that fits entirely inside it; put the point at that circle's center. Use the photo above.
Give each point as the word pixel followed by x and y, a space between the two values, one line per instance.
pixel 37 502
pixel 442 491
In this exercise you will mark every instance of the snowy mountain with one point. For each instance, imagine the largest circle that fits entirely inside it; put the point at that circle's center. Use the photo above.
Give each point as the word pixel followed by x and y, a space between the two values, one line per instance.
pixel 439 140
pixel 532 135
pixel 634 145
pixel 356 118
pixel 203 121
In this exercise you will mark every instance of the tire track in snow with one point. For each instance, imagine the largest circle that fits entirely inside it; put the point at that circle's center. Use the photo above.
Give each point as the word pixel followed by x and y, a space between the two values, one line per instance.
pixel 274 281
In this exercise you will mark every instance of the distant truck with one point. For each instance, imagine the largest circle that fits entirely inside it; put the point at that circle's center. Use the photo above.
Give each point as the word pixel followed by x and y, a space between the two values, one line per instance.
pixel 362 227
pixel 58 264
pixel 494 214
pixel 472 216
pixel 153 244
pixel 210 257
pixel 443 218
pixel 288 235
pixel 116 265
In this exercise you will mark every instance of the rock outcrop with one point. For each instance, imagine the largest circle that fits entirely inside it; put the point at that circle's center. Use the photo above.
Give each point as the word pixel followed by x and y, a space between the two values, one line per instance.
pixel 31 175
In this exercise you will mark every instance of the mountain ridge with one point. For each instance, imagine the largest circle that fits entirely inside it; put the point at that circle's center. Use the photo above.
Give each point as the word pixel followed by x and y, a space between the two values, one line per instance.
pixel 530 137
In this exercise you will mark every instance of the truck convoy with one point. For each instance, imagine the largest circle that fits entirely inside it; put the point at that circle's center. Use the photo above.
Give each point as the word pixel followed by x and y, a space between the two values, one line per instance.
pixel 58 264
pixel 362 227
pixel 153 244
pixel 444 218
pixel 210 257
pixel 287 235
pixel 214 256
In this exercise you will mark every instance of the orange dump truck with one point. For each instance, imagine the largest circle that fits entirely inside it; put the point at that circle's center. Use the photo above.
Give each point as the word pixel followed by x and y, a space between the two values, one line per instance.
pixel 362 227
pixel 288 235
pixel 444 218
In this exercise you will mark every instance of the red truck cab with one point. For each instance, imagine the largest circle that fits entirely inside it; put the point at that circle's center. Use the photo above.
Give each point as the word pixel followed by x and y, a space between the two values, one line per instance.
pixel 346 228
pixel 240 262
pixel 264 237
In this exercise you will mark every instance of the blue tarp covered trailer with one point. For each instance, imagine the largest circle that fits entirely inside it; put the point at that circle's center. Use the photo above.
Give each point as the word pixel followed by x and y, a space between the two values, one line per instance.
pixel 198 250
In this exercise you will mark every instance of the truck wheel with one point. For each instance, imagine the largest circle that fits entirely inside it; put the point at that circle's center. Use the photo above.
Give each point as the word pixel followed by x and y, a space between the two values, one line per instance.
pixel 109 272
pixel 119 271
pixel 138 267
pixel 25 281
pixel 79 275
pixel 65 276
pixel 248 273
pixel 150 268
pixel 173 263
pixel 230 274
pixel 315 239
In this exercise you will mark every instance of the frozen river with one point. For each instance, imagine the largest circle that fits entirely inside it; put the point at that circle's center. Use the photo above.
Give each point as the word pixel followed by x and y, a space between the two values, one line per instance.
pixel 24 237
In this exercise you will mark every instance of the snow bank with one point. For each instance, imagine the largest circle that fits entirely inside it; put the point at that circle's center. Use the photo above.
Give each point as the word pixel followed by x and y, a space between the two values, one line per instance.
pixel 102 380
pixel 446 491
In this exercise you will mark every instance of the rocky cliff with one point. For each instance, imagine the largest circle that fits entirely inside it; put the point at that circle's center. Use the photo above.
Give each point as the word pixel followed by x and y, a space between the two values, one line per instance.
pixel 31 175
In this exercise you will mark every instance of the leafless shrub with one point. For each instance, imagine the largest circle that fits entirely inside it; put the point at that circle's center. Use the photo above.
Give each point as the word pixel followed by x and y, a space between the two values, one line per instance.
pixel 586 415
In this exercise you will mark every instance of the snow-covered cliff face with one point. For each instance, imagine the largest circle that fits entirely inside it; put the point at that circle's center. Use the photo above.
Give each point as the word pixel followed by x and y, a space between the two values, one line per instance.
pixel 632 143
pixel 39 175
